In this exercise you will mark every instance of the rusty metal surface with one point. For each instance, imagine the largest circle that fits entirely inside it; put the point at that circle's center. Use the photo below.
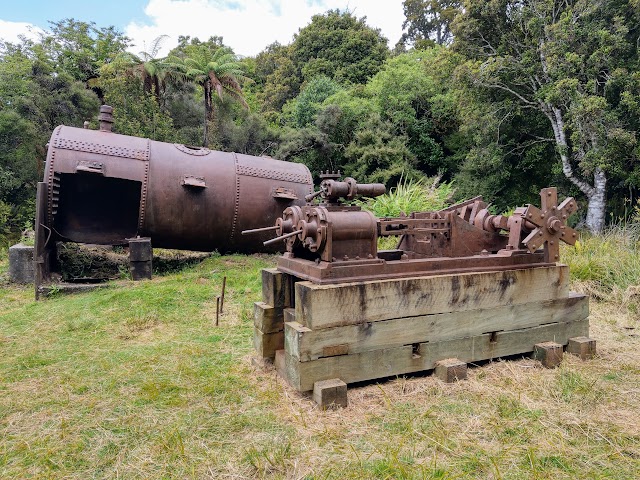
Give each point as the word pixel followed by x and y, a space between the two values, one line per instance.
pixel 332 242
pixel 105 188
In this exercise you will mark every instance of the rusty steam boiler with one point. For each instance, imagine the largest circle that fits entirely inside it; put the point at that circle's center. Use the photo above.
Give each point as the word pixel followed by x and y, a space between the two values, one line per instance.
pixel 104 188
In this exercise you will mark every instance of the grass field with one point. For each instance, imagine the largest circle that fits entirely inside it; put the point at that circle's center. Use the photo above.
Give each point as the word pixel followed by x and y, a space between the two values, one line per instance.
pixel 135 381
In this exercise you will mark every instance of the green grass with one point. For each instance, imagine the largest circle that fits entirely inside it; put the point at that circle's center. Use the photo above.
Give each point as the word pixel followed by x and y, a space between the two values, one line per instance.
pixel 135 381
pixel 424 195
pixel 411 196
pixel 608 262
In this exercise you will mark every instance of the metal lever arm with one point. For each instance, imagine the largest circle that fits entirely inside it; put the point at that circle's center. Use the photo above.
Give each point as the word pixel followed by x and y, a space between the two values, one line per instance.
pixel 258 230
pixel 281 237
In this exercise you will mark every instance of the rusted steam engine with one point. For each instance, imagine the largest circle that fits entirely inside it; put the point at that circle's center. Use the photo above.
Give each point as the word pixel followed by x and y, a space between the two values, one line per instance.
pixel 333 242
pixel 463 285
pixel 103 188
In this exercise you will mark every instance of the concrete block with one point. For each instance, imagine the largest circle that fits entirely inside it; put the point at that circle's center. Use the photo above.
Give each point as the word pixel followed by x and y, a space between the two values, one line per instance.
pixel 140 249
pixel 140 258
pixel 21 266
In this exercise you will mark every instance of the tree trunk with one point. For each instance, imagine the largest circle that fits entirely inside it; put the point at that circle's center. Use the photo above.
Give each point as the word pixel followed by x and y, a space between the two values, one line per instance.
pixel 596 193
pixel 206 133
pixel 207 106
pixel 597 202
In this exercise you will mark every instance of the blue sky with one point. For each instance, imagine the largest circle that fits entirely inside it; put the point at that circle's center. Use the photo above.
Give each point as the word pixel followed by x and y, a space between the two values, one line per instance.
pixel 118 13
pixel 247 26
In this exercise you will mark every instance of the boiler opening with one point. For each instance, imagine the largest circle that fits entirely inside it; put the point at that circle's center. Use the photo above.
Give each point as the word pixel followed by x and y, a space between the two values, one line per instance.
pixel 97 209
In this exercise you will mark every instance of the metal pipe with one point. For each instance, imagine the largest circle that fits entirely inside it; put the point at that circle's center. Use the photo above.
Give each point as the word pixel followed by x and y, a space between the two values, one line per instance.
pixel 258 230
pixel 282 237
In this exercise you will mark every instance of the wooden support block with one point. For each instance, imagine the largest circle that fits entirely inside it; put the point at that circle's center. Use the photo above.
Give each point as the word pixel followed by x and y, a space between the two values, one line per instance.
pixel 324 306
pixel 409 358
pixel 276 288
pixel 289 314
pixel 267 319
pixel 451 370
pixel 279 363
pixel 583 347
pixel 306 344
pixel 266 344
pixel 549 354
pixel 330 393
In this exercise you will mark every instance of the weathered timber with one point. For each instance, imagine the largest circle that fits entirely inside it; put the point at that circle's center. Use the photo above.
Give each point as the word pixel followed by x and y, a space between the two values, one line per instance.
pixel 276 288
pixel 324 306
pixel 266 344
pixel 330 393
pixel 306 344
pixel 407 359
pixel 583 347
pixel 451 370
pixel 280 363
pixel 267 319
pixel 548 353
pixel 289 314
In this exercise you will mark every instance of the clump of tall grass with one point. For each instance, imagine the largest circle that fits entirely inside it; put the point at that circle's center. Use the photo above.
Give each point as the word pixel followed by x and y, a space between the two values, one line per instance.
pixel 426 194
pixel 608 264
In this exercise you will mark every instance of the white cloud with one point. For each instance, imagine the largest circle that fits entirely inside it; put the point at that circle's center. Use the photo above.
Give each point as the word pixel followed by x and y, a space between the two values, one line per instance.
pixel 248 26
pixel 9 31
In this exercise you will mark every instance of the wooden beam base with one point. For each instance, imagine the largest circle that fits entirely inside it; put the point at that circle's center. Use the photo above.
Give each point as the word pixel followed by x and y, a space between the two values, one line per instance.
pixel 376 329
pixel 306 344
pixel 391 362
pixel 267 319
pixel 266 344
pixel 276 288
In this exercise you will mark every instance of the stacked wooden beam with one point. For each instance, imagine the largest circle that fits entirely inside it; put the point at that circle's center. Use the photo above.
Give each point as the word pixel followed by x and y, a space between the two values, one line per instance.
pixel 375 329
pixel 268 315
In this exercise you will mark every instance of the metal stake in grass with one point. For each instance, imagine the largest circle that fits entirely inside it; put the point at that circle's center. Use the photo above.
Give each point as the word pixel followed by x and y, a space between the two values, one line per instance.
pixel 224 286
pixel 217 310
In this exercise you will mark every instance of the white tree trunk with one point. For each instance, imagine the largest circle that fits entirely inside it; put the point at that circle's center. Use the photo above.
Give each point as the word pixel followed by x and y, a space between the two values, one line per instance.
pixel 596 193
pixel 597 203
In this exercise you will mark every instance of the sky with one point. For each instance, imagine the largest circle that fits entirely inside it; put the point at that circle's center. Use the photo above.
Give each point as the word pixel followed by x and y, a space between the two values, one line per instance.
pixel 247 26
